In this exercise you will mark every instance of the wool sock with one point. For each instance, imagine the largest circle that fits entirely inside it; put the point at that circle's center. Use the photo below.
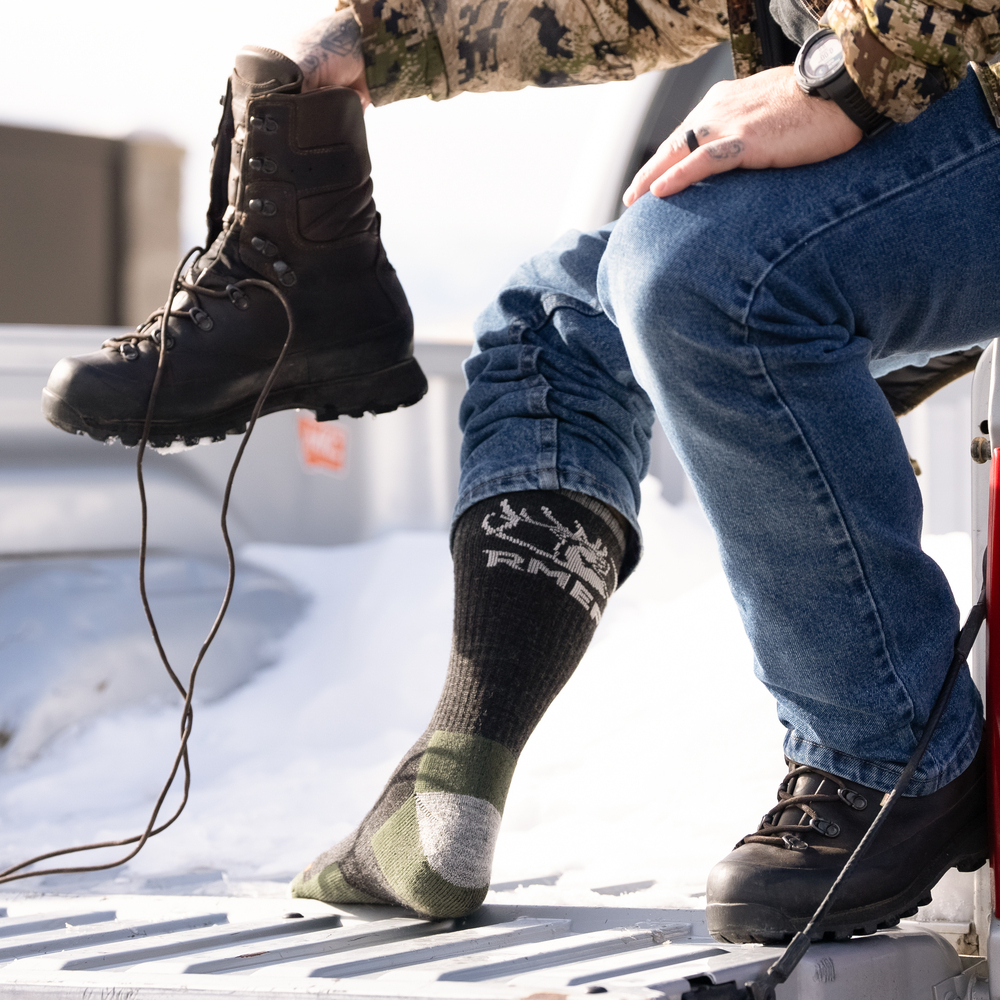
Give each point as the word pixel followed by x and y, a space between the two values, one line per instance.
pixel 533 574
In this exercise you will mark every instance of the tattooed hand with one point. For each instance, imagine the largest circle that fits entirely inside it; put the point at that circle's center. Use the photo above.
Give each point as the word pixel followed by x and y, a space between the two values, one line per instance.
pixel 329 55
pixel 762 121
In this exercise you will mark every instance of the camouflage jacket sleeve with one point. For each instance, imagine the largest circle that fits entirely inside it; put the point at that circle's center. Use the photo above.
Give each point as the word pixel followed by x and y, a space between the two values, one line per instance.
pixel 440 48
pixel 904 54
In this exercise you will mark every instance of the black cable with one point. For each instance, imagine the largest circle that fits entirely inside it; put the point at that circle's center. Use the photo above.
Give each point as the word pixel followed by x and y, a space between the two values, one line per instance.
pixel 762 988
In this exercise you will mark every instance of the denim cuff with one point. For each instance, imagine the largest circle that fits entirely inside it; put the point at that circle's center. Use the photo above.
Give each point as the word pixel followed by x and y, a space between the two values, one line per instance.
pixel 883 776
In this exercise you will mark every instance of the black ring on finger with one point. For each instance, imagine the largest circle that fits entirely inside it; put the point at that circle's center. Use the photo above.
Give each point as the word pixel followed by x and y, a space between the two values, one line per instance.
pixel 691 139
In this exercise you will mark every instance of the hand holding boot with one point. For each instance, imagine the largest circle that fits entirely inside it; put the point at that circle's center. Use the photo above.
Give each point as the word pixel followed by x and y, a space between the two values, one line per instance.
pixel 329 55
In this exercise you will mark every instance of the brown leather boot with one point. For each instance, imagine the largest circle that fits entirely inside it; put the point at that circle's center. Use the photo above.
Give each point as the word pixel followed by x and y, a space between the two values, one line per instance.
pixel 768 888
pixel 291 207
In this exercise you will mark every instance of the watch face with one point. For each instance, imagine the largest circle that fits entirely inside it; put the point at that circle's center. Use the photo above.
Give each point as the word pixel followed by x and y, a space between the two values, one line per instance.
pixel 823 61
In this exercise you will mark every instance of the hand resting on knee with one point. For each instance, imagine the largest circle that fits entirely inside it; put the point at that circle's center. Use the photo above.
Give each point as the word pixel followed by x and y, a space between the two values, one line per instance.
pixel 763 121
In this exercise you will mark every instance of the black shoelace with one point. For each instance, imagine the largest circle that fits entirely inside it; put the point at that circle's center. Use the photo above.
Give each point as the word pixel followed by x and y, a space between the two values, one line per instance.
pixel 774 833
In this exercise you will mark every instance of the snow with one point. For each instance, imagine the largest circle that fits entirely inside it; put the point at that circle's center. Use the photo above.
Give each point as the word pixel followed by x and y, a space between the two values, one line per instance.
pixel 75 643
pixel 661 752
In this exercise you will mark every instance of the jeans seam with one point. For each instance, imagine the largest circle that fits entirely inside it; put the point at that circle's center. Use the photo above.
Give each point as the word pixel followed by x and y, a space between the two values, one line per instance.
pixel 842 523
pixel 883 199
pixel 507 475
pixel 877 202
pixel 582 473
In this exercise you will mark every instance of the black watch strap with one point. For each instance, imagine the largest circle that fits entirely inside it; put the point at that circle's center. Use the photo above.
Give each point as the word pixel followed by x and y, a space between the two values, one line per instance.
pixel 846 94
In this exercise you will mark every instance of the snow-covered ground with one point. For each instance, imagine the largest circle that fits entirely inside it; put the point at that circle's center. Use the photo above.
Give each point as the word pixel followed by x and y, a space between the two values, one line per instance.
pixel 662 751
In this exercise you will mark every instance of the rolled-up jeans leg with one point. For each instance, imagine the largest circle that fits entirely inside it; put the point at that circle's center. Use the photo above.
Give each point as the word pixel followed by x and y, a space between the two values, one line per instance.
pixel 552 402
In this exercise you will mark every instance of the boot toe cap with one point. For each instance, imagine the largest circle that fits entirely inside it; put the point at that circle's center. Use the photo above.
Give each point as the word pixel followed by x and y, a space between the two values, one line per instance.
pixel 86 395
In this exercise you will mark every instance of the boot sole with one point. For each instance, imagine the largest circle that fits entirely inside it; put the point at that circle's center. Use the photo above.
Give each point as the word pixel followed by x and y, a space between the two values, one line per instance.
pixel 754 923
pixel 376 392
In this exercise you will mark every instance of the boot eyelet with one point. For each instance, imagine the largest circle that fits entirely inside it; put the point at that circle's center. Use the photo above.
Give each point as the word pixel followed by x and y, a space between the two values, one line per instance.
pixel 285 276
pixel 854 799
pixel 794 843
pixel 170 340
pixel 201 319
pixel 129 351
pixel 237 297
pixel 265 124
pixel 825 827
pixel 263 206
pixel 263 164
pixel 266 247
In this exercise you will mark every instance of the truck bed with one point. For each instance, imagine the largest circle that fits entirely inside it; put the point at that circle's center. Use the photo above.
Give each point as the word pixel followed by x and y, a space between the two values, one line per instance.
pixel 146 947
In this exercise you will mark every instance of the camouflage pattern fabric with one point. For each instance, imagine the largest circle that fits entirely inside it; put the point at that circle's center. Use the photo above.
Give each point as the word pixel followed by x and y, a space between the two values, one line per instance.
pixel 747 54
pixel 440 48
pixel 904 54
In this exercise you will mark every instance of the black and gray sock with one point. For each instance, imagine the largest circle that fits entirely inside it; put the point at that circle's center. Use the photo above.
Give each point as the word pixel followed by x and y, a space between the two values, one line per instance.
pixel 533 574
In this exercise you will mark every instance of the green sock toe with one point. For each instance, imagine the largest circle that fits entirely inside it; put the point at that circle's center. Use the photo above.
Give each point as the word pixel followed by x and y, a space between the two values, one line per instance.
pixel 328 886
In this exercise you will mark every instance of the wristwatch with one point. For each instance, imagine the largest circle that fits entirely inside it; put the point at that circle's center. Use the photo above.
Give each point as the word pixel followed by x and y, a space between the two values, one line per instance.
pixel 820 71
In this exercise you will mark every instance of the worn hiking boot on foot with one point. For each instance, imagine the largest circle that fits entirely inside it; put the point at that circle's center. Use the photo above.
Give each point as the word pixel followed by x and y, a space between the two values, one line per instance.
pixel 768 888
pixel 292 211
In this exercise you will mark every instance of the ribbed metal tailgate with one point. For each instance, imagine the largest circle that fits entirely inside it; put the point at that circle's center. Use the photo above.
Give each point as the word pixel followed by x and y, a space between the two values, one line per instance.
pixel 147 947
pixel 153 947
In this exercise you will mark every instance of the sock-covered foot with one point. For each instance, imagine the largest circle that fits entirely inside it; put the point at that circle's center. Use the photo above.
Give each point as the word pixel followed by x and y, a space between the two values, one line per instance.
pixel 533 573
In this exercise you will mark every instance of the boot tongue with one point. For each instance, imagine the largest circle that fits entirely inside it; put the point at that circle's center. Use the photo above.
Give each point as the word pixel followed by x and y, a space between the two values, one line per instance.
pixel 810 783
pixel 267 68
pixel 262 71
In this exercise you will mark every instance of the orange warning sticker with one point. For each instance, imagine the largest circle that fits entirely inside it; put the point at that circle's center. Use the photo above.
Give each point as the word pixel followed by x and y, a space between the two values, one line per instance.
pixel 323 445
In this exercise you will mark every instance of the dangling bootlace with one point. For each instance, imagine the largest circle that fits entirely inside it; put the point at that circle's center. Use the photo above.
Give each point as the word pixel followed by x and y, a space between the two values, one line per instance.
pixel 149 331
pixel 181 761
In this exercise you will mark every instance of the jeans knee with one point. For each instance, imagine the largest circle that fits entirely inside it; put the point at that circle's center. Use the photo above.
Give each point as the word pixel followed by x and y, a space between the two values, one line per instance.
pixel 670 288
pixel 659 268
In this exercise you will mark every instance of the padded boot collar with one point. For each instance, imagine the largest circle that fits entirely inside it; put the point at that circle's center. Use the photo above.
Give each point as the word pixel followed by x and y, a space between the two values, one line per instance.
pixel 268 71
pixel 261 71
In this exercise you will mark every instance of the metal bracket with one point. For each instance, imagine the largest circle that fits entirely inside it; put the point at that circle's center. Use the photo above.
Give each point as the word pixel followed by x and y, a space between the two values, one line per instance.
pixel 973 984
pixel 989 80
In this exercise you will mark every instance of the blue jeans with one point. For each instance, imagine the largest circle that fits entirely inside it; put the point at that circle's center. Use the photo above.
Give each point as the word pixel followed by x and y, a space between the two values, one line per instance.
pixel 749 314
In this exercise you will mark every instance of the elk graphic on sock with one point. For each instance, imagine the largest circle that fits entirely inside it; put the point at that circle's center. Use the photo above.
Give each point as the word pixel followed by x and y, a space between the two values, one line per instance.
pixel 533 574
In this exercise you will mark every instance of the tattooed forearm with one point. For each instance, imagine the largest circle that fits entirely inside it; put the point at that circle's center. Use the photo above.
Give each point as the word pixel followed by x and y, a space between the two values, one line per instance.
pixel 308 62
pixel 329 53
pixel 339 35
